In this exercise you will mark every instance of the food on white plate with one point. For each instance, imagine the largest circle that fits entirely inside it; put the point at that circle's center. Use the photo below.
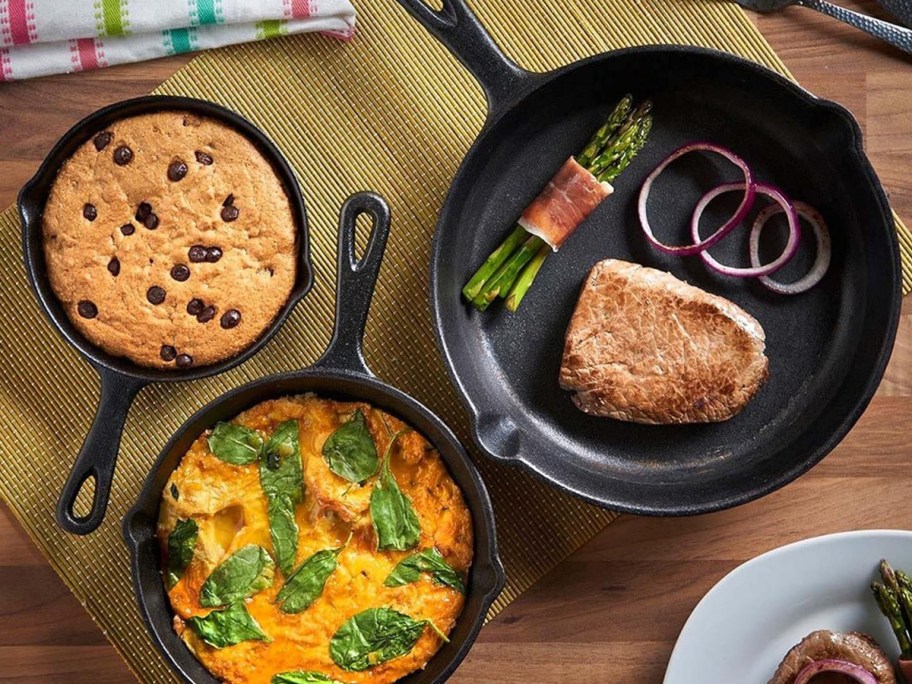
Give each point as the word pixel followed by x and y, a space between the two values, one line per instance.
pixel 645 347
pixel 825 656
pixel 894 598
pixel 567 200
pixel 794 212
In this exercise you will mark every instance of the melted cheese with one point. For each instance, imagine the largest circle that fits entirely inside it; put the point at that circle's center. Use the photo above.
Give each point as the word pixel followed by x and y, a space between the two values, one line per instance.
pixel 229 507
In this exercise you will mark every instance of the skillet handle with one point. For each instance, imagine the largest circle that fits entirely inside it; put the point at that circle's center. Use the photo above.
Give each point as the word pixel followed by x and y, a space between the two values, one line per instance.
pixel 457 27
pixel 355 282
pixel 98 454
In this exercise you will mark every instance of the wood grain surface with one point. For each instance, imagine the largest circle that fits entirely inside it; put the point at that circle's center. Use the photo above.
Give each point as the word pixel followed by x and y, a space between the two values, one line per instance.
pixel 611 612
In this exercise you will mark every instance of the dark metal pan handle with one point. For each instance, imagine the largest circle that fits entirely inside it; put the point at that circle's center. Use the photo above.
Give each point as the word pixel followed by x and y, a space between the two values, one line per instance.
pixel 355 282
pixel 457 27
pixel 98 455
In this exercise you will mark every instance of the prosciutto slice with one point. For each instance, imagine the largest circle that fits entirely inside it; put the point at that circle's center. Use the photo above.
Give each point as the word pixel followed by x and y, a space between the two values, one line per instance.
pixel 566 201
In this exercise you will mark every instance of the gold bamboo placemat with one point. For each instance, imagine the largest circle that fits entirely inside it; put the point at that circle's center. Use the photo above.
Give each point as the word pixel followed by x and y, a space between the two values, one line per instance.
pixel 391 111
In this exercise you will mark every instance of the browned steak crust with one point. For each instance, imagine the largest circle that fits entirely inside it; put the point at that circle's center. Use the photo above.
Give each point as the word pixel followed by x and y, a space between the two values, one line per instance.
pixel 645 347
pixel 853 647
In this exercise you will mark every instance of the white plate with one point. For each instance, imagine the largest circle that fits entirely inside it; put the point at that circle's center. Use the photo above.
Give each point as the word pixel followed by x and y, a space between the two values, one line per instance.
pixel 746 623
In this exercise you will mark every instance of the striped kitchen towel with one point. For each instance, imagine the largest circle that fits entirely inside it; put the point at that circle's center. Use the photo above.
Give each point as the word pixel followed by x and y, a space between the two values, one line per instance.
pixel 39 37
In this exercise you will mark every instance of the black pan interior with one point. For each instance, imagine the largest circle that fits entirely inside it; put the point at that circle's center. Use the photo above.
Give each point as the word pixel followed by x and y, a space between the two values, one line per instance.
pixel 827 347
pixel 486 575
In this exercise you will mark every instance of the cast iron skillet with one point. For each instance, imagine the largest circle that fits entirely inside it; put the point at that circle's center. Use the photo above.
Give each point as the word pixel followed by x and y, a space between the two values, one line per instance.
pixel 122 379
pixel 340 374
pixel 827 348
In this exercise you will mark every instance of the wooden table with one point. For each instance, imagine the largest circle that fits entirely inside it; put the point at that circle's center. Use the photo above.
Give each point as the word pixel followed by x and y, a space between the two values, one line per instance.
pixel 612 611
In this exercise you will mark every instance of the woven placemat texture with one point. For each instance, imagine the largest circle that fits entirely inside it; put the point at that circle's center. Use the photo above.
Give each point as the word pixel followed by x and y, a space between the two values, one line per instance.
pixel 391 111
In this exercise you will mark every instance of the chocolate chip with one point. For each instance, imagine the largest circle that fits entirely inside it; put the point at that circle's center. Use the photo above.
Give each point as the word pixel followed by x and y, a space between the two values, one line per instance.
pixel 194 306
pixel 167 352
pixel 180 273
pixel 143 211
pixel 123 155
pixel 184 361
pixel 206 314
pixel 197 253
pixel 203 158
pixel 213 254
pixel 114 266
pixel 89 211
pixel 127 229
pixel 102 140
pixel 230 319
pixel 155 295
pixel 151 221
pixel 176 170
pixel 228 200
pixel 230 213
pixel 87 309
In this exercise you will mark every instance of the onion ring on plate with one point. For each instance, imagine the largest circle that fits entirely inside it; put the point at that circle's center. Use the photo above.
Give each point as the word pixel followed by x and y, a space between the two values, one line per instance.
pixel 740 213
pixel 844 667
pixel 783 203
pixel 821 261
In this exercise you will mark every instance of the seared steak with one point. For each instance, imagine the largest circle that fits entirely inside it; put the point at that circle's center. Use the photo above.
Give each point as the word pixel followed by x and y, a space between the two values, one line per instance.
pixel 646 347
pixel 854 647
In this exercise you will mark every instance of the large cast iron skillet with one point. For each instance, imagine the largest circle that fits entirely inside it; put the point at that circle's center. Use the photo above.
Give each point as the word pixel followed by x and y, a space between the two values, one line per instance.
pixel 827 348
pixel 340 374
pixel 121 379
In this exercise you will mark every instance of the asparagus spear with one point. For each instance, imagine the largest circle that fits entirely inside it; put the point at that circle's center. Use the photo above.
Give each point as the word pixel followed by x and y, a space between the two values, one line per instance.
pixel 524 282
pixel 601 137
pixel 637 144
pixel 889 606
pixel 502 281
pixel 496 259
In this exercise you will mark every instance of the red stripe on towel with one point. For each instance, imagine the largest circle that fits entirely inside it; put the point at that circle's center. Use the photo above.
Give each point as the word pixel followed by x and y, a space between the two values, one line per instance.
pixel 6 67
pixel 88 59
pixel 300 9
pixel 22 21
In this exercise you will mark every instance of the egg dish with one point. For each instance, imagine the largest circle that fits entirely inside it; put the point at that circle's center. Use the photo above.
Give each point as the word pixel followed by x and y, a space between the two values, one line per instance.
pixel 311 540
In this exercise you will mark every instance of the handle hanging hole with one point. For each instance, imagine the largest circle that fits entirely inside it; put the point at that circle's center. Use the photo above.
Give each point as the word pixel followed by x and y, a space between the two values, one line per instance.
pixel 364 224
pixel 85 499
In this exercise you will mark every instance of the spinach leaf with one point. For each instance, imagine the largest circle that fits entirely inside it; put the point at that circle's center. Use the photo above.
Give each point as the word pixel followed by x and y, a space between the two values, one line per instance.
pixel 235 444
pixel 181 543
pixel 303 678
pixel 227 627
pixel 372 637
pixel 431 561
pixel 282 480
pixel 175 494
pixel 305 584
pixel 350 452
pixel 244 573
pixel 393 516
pixel 283 531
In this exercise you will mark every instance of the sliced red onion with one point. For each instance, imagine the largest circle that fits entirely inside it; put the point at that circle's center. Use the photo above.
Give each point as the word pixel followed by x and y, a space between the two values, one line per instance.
pixel 756 269
pixel 821 261
pixel 856 672
pixel 748 186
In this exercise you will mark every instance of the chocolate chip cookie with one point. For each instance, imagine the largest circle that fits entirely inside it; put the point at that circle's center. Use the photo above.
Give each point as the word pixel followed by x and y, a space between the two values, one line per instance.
pixel 170 240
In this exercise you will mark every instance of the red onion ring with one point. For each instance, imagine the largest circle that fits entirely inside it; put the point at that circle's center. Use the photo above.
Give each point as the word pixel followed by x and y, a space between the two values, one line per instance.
pixel 699 246
pixel 856 672
pixel 821 261
pixel 756 269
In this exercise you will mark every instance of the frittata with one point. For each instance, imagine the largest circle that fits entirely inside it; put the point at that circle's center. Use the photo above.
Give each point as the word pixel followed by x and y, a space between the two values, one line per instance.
pixel 312 540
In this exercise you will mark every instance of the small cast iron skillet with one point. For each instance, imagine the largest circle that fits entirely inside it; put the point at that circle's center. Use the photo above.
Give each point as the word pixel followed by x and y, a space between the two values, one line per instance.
pixel 827 347
pixel 340 374
pixel 121 379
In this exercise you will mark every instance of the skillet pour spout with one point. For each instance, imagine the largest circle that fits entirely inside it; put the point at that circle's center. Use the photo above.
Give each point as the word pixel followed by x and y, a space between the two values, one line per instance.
pixel 341 373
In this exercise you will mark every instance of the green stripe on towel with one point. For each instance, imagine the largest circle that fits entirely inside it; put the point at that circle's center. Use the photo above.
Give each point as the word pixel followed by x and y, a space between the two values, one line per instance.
pixel 207 13
pixel 271 28
pixel 114 17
